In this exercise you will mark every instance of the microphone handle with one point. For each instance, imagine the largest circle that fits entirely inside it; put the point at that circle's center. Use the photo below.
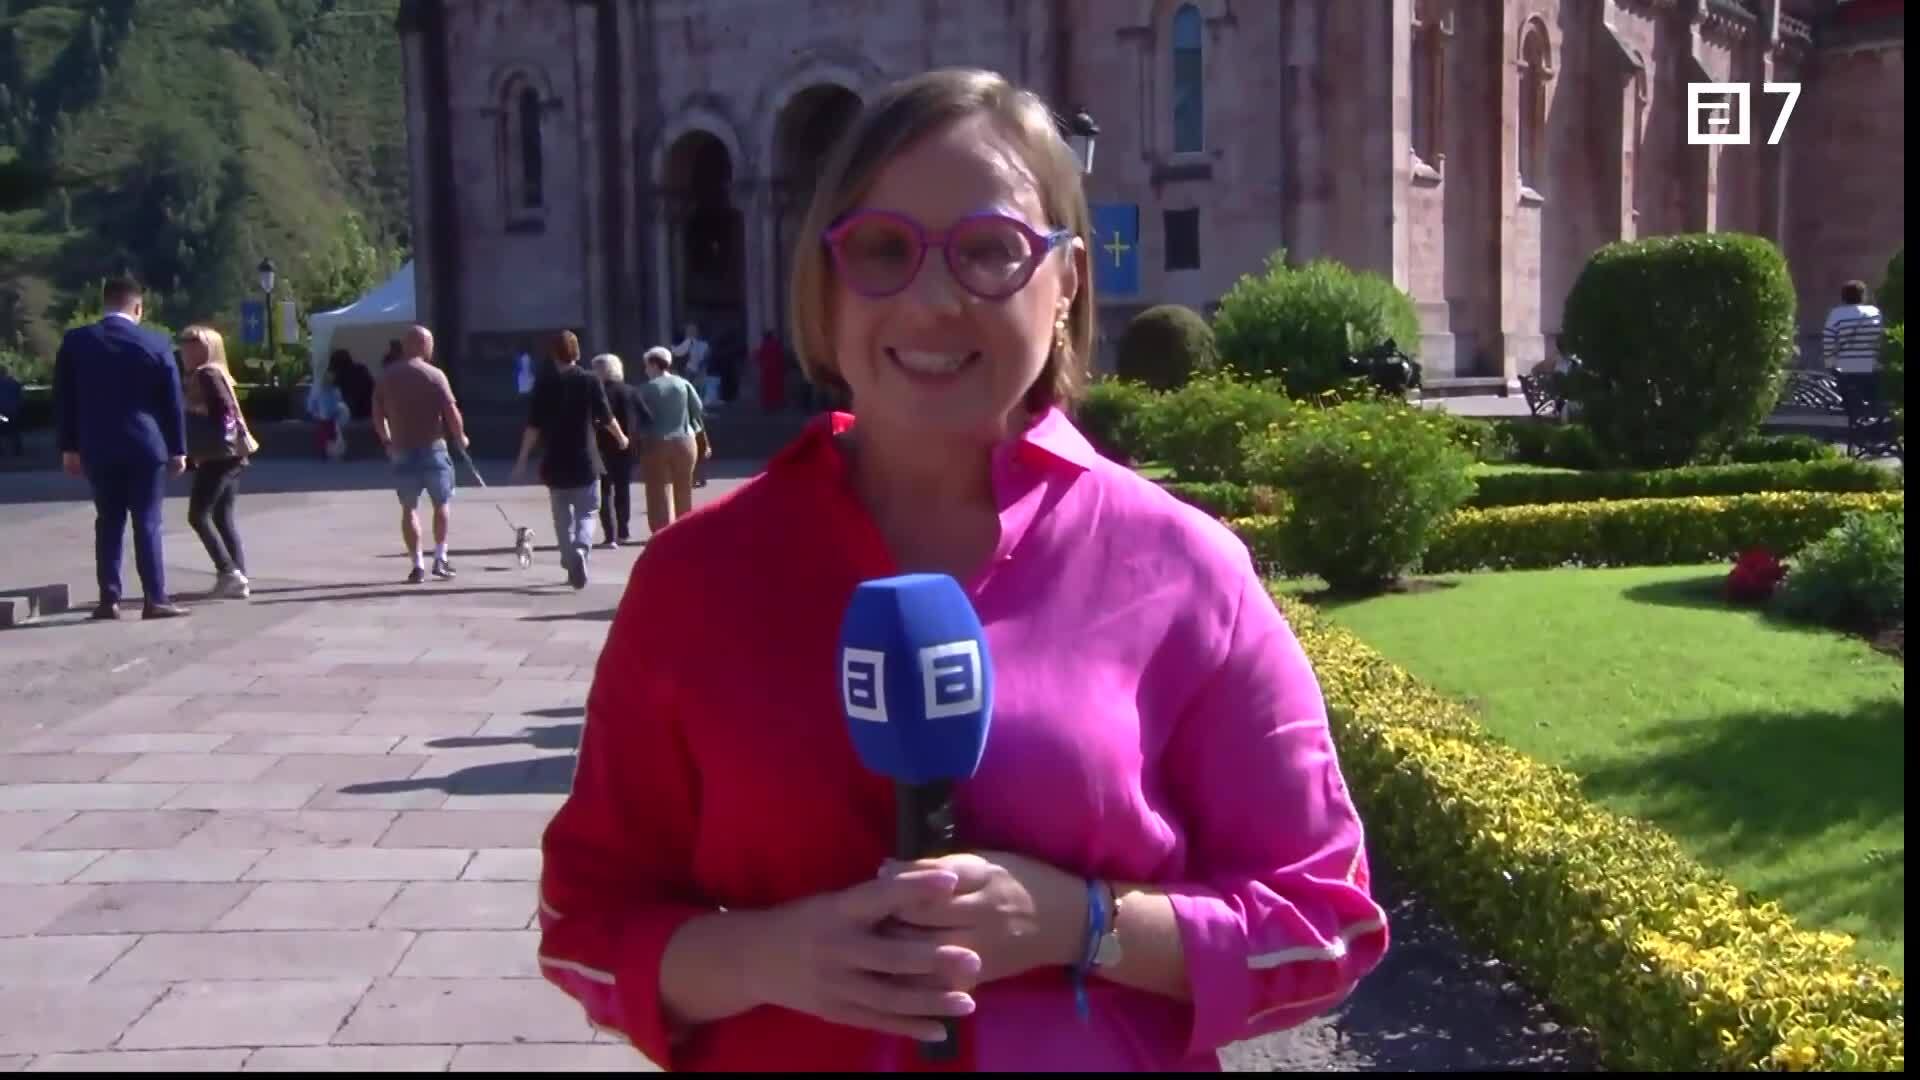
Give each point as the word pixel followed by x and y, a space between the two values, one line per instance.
pixel 923 828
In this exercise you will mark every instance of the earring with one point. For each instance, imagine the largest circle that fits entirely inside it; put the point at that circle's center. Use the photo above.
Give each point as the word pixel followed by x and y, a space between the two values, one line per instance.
pixel 1060 335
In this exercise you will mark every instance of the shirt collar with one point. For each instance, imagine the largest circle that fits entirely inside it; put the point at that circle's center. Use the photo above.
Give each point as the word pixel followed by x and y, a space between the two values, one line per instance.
pixel 1052 437
pixel 120 315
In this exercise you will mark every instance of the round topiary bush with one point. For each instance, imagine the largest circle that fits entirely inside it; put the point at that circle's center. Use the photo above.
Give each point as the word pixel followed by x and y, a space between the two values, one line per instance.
pixel 1164 346
pixel 1301 323
pixel 1681 341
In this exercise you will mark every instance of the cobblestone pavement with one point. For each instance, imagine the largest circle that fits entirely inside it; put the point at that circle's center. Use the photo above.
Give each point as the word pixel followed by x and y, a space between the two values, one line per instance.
pixel 301 831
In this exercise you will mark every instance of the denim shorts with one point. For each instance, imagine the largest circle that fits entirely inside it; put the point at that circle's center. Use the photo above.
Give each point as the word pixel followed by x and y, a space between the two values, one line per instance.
pixel 428 469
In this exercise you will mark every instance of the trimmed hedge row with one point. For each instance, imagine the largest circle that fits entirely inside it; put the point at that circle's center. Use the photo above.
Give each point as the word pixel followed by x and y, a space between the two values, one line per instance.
pixel 1629 532
pixel 1526 488
pixel 1671 966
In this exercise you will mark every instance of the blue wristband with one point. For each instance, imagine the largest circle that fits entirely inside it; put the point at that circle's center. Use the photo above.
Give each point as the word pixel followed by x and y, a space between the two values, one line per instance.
pixel 1096 928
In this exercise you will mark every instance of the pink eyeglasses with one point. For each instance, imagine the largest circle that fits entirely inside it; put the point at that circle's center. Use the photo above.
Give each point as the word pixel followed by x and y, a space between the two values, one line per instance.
pixel 878 253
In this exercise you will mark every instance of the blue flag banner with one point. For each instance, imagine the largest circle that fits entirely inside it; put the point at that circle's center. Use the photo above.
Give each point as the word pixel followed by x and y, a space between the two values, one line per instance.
pixel 1116 249
pixel 253 322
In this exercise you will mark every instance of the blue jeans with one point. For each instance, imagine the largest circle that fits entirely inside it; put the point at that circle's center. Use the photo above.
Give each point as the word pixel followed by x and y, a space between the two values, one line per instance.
pixel 427 469
pixel 573 513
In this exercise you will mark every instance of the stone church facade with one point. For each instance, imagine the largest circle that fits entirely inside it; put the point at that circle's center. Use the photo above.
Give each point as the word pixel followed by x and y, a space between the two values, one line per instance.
pixel 619 167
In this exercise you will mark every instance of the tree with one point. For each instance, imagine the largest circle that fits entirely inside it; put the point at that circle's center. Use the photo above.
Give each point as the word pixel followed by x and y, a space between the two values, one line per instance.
pixel 260 31
pixel 344 270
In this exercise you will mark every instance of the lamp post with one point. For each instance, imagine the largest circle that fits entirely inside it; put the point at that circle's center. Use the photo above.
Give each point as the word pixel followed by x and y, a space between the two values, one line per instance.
pixel 1081 132
pixel 267 277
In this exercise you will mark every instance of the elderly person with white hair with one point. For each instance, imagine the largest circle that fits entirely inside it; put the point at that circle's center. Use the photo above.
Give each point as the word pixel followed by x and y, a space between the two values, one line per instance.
pixel 616 498
pixel 675 421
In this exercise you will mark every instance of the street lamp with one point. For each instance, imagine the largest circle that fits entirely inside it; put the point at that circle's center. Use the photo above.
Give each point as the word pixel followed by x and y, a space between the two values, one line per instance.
pixel 1081 132
pixel 267 276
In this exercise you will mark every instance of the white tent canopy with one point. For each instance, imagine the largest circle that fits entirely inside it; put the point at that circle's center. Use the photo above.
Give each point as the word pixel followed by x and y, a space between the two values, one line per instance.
pixel 364 327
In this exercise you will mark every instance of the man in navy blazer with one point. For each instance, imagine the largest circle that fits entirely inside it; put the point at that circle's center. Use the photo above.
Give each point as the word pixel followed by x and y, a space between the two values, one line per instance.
pixel 122 424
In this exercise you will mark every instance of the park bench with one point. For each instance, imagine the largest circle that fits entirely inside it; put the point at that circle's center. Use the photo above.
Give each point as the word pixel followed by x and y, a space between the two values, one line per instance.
pixel 1542 392
pixel 1871 431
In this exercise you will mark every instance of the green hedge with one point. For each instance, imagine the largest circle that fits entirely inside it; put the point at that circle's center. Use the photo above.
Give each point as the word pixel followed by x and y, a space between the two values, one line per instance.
pixel 1224 499
pixel 1522 488
pixel 1672 967
pixel 1300 323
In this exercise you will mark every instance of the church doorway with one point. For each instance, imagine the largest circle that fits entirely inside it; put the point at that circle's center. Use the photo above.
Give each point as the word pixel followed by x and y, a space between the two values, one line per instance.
pixel 707 246
pixel 809 125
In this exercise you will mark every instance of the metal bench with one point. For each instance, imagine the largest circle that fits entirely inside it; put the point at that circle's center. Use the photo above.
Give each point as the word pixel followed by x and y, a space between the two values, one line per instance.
pixel 1858 398
pixel 1543 394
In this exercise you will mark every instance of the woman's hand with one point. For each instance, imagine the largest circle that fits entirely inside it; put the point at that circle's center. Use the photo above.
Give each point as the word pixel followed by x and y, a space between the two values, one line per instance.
pixel 826 956
pixel 1017 913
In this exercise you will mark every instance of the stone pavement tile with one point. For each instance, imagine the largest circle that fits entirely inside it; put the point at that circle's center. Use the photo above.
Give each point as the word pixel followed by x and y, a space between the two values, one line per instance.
pixel 144 1061
pixel 456 698
pixel 429 722
pixel 86 796
pixel 311 744
pixel 27 909
pixel 473 954
pixel 462 905
pixel 359 1059
pixel 395 654
pixel 290 829
pixel 44 867
pixel 177 864
pixel 396 686
pixel 311 905
pixel 244 797
pixel 158 721
pixel 62 768
pixel 415 670
pixel 204 678
pixel 17 1062
pixel 448 753
pixel 467 829
pixel 486 655
pixel 334 688
pixel 148 908
pixel 20 828
pixel 360 864
pixel 537 804
pixel 261 954
pixel 504 864
pixel 551 1058
pixel 46 961
pixel 564 672
pixel 344 770
pixel 411 1011
pixel 176 742
pixel 192 768
pixel 256 1012
pixel 242 720
pixel 394 795
pixel 51 1019
pixel 137 705
pixel 124 829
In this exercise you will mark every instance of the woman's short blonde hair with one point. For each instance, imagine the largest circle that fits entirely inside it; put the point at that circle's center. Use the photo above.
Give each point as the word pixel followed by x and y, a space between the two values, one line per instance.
pixel 609 367
pixel 901 115
pixel 207 338
pixel 658 356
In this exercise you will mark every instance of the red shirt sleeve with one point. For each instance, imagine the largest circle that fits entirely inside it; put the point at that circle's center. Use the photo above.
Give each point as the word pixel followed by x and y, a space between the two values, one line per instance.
pixel 616 877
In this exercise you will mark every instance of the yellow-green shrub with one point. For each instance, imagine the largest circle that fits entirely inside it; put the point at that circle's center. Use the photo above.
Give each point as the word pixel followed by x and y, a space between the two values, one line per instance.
pixel 1673 968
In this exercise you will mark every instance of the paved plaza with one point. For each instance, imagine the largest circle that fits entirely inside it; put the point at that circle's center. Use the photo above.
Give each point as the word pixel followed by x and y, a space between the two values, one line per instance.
pixel 302 831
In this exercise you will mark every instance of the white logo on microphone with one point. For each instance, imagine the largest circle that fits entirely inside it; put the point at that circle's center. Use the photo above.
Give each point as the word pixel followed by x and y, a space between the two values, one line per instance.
pixel 863 684
pixel 950 675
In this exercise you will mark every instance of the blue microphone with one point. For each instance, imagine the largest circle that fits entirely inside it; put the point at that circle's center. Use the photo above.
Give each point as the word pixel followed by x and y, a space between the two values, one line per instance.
pixel 916 685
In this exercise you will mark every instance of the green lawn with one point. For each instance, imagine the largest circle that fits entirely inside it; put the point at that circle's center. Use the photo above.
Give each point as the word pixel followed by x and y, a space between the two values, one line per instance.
pixel 1774 753
pixel 1488 468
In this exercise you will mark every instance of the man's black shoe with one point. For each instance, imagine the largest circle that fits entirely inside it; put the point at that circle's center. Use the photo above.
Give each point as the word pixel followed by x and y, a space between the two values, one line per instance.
pixel 106 610
pixel 163 611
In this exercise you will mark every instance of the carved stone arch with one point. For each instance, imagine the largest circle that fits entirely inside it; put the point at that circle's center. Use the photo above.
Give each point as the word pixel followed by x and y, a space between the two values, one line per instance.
pixel 513 71
pixel 1535 43
pixel 1533 64
pixel 1151 13
pixel 697 115
pixel 849 70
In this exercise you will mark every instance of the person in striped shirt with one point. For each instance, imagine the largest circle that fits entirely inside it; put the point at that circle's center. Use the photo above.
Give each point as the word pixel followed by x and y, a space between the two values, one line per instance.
pixel 1854 332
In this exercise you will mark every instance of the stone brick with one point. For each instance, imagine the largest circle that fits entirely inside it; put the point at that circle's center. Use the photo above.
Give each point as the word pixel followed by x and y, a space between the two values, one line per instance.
pixel 124 829
pixel 290 829
pixel 552 1058
pixel 462 905
pixel 263 954
pixel 358 1059
pixel 510 864
pixel 244 797
pixel 194 768
pixel 45 961
pixel 86 796
pixel 144 1061
pixel 178 864
pixel 338 770
pixel 360 864
pixel 27 909
pixel 403 1011
pixel 467 829
pixel 52 1019
pixel 538 805
pixel 311 905
pixel 251 717
pixel 438 723
pixel 259 1012
pixel 148 908
pixel 59 768
pixel 177 742
pixel 22 828
pixel 311 744
pixel 43 867
pixel 473 954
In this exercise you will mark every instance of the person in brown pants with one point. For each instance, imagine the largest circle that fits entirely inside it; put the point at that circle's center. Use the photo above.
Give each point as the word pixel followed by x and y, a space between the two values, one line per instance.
pixel 674 420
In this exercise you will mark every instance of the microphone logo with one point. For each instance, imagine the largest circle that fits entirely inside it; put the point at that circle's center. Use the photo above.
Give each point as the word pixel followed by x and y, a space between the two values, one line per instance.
pixel 863 684
pixel 950 677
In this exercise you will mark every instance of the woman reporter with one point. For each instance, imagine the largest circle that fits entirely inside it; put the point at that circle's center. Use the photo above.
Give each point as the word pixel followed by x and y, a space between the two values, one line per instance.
pixel 717 887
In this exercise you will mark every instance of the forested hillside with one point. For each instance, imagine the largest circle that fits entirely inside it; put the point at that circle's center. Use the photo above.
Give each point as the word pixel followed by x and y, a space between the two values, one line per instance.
pixel 185 140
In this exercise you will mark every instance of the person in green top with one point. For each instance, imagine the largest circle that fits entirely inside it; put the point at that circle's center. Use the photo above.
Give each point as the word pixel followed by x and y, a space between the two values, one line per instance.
pixel 675 424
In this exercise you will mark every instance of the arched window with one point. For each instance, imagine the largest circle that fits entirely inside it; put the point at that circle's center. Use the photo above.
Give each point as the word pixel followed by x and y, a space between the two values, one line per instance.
pixel 1431 28
pixel 531 162
pixel 522 150
pixel 1189 95
pixel 1536 68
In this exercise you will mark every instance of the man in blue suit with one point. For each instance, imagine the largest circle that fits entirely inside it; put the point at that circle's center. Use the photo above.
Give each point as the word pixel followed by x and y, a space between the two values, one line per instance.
pixel 122 424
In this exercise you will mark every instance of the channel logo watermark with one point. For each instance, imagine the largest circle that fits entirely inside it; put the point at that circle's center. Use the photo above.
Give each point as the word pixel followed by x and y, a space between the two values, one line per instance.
pixel 1721 113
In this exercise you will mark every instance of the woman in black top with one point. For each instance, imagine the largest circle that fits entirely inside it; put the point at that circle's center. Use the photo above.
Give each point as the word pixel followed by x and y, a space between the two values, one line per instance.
pixel 219 444
pixel 616 500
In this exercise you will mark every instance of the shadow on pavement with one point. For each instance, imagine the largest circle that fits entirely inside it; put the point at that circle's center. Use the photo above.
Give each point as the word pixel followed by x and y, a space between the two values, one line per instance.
pixel 548 775
pixel 422 590
pixel 558 712
pixel 602 615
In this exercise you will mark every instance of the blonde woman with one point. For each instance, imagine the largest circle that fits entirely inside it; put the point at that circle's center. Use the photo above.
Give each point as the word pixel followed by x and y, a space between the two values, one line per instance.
pixel 218 447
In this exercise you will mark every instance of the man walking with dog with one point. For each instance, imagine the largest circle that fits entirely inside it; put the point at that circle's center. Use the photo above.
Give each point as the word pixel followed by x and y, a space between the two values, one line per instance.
pixel 568 405
pixel 414 414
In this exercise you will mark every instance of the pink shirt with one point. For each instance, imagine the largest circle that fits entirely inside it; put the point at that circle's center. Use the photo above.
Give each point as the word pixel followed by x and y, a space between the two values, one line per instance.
pixel 1155 721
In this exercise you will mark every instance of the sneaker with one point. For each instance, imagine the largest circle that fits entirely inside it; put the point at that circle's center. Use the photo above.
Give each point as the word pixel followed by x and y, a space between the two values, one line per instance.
pixel 442 569
pixel 233 585
pixel 577 575
pixel 418 575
